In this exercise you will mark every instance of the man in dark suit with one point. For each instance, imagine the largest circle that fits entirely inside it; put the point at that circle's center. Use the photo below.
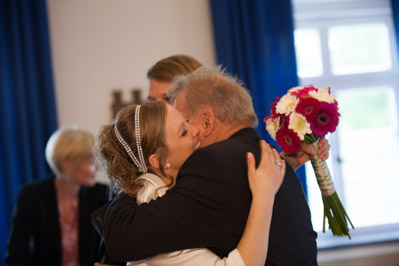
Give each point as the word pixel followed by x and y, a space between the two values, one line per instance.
pixel 209 205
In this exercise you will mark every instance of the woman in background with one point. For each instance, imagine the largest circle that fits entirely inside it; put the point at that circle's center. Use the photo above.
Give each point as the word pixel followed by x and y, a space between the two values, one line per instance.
pixel 164 71
pixel 51 224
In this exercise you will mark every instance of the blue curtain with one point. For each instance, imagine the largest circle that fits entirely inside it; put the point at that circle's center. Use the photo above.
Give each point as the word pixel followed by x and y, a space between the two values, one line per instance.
pixel 395 14
pixel 255 41
pixel 27 102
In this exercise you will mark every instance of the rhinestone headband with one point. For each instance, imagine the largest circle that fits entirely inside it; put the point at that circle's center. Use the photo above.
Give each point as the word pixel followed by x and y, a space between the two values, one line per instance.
pixel 140 163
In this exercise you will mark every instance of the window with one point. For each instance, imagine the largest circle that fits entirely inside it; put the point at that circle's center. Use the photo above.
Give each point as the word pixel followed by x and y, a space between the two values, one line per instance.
pixel 350 47
pixel 359 48
pixel 309 58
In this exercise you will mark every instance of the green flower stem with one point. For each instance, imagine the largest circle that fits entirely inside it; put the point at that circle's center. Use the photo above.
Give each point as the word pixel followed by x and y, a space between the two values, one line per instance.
pixel 334 211
pixel 310 139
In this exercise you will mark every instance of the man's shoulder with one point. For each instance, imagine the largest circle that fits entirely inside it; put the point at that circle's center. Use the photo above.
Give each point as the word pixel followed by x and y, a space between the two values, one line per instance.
pixel 243 138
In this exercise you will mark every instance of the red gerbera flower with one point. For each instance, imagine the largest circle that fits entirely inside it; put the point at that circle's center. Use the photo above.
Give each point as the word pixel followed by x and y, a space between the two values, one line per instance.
pixel 335 103
pixel 288 140
pixel 327 119
pixel 308 108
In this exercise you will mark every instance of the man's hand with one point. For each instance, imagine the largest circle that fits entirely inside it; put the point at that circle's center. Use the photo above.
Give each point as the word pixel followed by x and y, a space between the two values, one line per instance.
pixel 306 150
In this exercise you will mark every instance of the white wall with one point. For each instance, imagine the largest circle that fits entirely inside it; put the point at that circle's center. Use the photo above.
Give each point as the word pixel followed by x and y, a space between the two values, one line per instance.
pixel 101 45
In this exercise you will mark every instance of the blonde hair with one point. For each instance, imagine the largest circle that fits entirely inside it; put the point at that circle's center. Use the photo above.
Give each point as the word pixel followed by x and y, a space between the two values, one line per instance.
pixel 68 144
pixel 168 68
pixel 224 93
pixel 113 158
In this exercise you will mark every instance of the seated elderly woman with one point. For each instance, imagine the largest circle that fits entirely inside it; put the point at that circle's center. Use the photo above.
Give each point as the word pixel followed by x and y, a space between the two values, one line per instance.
pixel 51 224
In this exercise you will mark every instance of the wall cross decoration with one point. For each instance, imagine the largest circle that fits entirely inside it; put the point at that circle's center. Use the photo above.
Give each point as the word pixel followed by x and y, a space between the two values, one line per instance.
pixel 118 103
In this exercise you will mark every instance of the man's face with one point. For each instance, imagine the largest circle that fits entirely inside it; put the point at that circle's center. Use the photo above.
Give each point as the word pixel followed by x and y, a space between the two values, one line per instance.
pixel 194 120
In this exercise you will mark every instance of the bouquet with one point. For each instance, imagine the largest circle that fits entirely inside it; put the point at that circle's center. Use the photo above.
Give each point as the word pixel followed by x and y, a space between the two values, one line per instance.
pixel 305 114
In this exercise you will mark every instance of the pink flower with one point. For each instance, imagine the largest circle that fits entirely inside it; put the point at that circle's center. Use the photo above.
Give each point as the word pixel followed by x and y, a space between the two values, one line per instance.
pixel 288 140
pixel 335 103
pixel 308 108
pixel 326 120
pixel 304 93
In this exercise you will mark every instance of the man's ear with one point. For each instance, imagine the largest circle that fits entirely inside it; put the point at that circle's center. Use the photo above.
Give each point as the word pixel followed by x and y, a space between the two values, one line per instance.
pixel 154 161
pixel 208 122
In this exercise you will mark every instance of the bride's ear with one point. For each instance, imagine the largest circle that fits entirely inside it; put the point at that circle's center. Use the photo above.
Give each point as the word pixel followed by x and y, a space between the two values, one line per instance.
pixel 154 161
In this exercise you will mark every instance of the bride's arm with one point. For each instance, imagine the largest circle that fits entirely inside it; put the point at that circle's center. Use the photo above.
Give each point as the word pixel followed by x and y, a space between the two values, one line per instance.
pixel 264 183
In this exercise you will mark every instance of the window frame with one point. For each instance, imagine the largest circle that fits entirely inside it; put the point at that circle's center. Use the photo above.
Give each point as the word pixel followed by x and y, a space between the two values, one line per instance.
pixel 313 14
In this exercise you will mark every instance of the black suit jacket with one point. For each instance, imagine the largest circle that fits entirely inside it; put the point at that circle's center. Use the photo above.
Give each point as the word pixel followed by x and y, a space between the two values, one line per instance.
pixel 208 207
pixel 35 237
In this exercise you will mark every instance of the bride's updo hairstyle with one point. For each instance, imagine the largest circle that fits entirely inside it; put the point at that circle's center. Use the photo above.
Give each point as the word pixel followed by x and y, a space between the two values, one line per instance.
pixel 114 157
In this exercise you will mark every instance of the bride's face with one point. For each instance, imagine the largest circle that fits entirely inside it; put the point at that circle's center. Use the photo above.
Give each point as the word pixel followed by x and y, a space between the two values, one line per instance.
pixel 181 138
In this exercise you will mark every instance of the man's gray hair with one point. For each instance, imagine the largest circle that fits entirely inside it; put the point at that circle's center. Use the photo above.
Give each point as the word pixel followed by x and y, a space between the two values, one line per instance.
pixel 215 88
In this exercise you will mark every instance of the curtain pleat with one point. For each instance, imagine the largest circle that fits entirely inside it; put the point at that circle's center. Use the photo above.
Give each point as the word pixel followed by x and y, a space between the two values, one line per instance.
pixel 27 102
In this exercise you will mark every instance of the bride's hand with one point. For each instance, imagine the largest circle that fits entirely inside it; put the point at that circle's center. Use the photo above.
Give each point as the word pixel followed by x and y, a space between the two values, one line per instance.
pixel 269 175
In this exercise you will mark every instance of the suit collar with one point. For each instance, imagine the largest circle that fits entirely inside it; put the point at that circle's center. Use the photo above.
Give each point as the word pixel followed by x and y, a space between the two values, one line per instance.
pixel 245 132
